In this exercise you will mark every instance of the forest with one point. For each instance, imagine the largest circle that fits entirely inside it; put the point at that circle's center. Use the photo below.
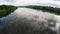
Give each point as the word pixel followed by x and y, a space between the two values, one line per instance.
pixel 7 9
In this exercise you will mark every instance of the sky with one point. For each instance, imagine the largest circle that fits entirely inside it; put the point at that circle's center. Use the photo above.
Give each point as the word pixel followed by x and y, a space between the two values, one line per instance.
pixel 31 2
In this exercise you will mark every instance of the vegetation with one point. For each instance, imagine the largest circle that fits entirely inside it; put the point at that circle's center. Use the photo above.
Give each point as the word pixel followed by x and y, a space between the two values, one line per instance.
pixel 46 9
pixel 7 9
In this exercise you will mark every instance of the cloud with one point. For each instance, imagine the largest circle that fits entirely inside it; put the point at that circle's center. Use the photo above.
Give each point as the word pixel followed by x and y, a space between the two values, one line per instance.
pixel 37 2
pixel 29 2
pixel 3 2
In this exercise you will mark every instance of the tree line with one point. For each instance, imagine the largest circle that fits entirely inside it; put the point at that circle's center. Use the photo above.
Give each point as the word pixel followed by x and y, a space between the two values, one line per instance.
pixel 7 9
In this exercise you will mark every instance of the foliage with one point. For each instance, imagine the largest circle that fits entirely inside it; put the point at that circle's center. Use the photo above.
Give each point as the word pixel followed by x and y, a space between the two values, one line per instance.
pixel 46 8
pixel 6 9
